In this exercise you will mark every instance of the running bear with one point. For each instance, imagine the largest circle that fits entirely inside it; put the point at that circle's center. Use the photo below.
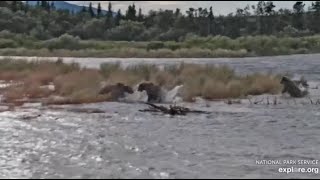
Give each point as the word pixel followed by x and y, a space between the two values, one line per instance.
pixel 292 88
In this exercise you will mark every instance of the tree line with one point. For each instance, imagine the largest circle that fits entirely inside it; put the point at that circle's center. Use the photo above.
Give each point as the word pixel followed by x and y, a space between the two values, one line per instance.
pixel 44 21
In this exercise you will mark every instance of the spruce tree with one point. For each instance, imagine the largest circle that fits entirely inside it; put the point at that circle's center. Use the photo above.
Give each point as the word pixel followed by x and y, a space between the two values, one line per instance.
pixel 14 6
pixel 140 16
pixel 109 18
pixel 109 13
pixel 52 6
pixel 134 12
pixel 48 8
pixel 99 10
pixel 84 9
pixel 118 18
pixel 177 12
pixel 210 19
pixel 26 7
pixel 43 4
pixel 298 20
pixel 131 13
pixel 91 10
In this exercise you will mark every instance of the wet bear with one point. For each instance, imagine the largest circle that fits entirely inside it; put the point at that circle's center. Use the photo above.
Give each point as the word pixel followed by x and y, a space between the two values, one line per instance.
pixel 117 91
pixel 292 88
pixel 153 91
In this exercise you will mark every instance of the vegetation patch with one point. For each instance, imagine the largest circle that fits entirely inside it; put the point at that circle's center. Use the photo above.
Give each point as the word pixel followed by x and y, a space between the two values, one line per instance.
pixel 60 83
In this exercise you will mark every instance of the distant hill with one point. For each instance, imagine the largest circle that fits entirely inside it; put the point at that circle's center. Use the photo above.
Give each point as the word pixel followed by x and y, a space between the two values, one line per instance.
pixel 62 5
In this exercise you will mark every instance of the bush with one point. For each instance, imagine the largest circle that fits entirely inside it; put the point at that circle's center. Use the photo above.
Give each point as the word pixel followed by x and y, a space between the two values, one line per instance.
pixel 126 31
pixel 65 41
pixel 155 45
pixel 6 34
pixel 172 45
pixel 8 43
pixel 172 34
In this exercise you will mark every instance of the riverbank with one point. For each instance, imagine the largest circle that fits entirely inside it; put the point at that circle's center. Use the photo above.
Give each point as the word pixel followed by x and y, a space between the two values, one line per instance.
pixel 192 47
pixel 55 82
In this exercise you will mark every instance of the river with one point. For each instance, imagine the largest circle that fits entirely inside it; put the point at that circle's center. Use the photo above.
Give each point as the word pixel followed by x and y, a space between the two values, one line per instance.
pixel 126 143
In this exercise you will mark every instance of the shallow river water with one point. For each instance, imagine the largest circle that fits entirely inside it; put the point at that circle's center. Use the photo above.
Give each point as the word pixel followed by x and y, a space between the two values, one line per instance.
pixel 126 143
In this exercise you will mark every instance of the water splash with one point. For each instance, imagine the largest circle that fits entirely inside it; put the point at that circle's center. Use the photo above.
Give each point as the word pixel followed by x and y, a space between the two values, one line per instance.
pixel 136 96
pixel 172 95
pixel 166 96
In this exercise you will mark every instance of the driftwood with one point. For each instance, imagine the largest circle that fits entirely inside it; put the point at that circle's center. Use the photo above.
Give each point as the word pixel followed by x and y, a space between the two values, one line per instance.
pixel 86 110
pixel 78 110
pixel 172 110
pixel 29 117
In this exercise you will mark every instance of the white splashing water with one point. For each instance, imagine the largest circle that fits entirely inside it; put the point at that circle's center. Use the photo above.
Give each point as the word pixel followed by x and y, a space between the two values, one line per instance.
pixel 172 95
pixel 142 96
pixel 136 96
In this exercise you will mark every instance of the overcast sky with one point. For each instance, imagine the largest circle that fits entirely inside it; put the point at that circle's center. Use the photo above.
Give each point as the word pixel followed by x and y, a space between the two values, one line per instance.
pixel 219 7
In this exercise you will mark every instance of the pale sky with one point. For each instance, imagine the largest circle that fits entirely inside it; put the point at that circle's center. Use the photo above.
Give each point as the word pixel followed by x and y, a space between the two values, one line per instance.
pixel 219 7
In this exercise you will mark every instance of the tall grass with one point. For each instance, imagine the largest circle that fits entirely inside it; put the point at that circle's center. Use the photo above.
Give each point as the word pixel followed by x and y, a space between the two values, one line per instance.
pixel 207 81
pixel 81 85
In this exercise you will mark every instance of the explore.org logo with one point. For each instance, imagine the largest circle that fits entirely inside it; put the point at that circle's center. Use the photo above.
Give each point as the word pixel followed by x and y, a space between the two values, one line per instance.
pixel 314 170
pixel 291 163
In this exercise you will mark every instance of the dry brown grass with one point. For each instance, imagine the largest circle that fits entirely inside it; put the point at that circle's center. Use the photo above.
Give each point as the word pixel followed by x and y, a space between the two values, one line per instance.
pixel 214 90
pixel 207 81
pixel 70 83
pixel 213 82
pixel 34 91
pixel 124 77
pixel 165 80
pixel 29 91
pixel 39 77
pixel 82 85
pixel 264 84
pixel 14 93
pixel 12 75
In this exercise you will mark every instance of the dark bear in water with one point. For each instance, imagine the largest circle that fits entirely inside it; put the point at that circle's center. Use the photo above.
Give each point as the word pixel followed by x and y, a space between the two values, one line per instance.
pixel 292 88
pixel 152 90
pixel 117 91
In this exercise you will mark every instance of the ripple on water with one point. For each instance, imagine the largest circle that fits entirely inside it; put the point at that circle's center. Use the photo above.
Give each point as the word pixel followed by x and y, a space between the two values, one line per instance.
pixel 125 143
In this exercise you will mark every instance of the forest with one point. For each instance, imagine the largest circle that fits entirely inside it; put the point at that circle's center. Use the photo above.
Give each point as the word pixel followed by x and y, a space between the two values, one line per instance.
pixel 44 22
pixel 250 31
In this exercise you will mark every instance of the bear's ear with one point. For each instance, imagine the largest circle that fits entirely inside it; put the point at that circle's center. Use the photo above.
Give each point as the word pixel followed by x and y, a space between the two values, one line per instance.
pixel 140 87
pixel 284 78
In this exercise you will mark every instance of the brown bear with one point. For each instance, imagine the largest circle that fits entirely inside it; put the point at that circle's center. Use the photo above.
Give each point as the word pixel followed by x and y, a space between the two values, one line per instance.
pixel 117 91
pixel 153 91
pixel 292 88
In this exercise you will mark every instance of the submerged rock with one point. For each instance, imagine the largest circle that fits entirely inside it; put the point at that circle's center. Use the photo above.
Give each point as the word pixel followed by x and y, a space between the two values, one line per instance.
pixel 292 88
